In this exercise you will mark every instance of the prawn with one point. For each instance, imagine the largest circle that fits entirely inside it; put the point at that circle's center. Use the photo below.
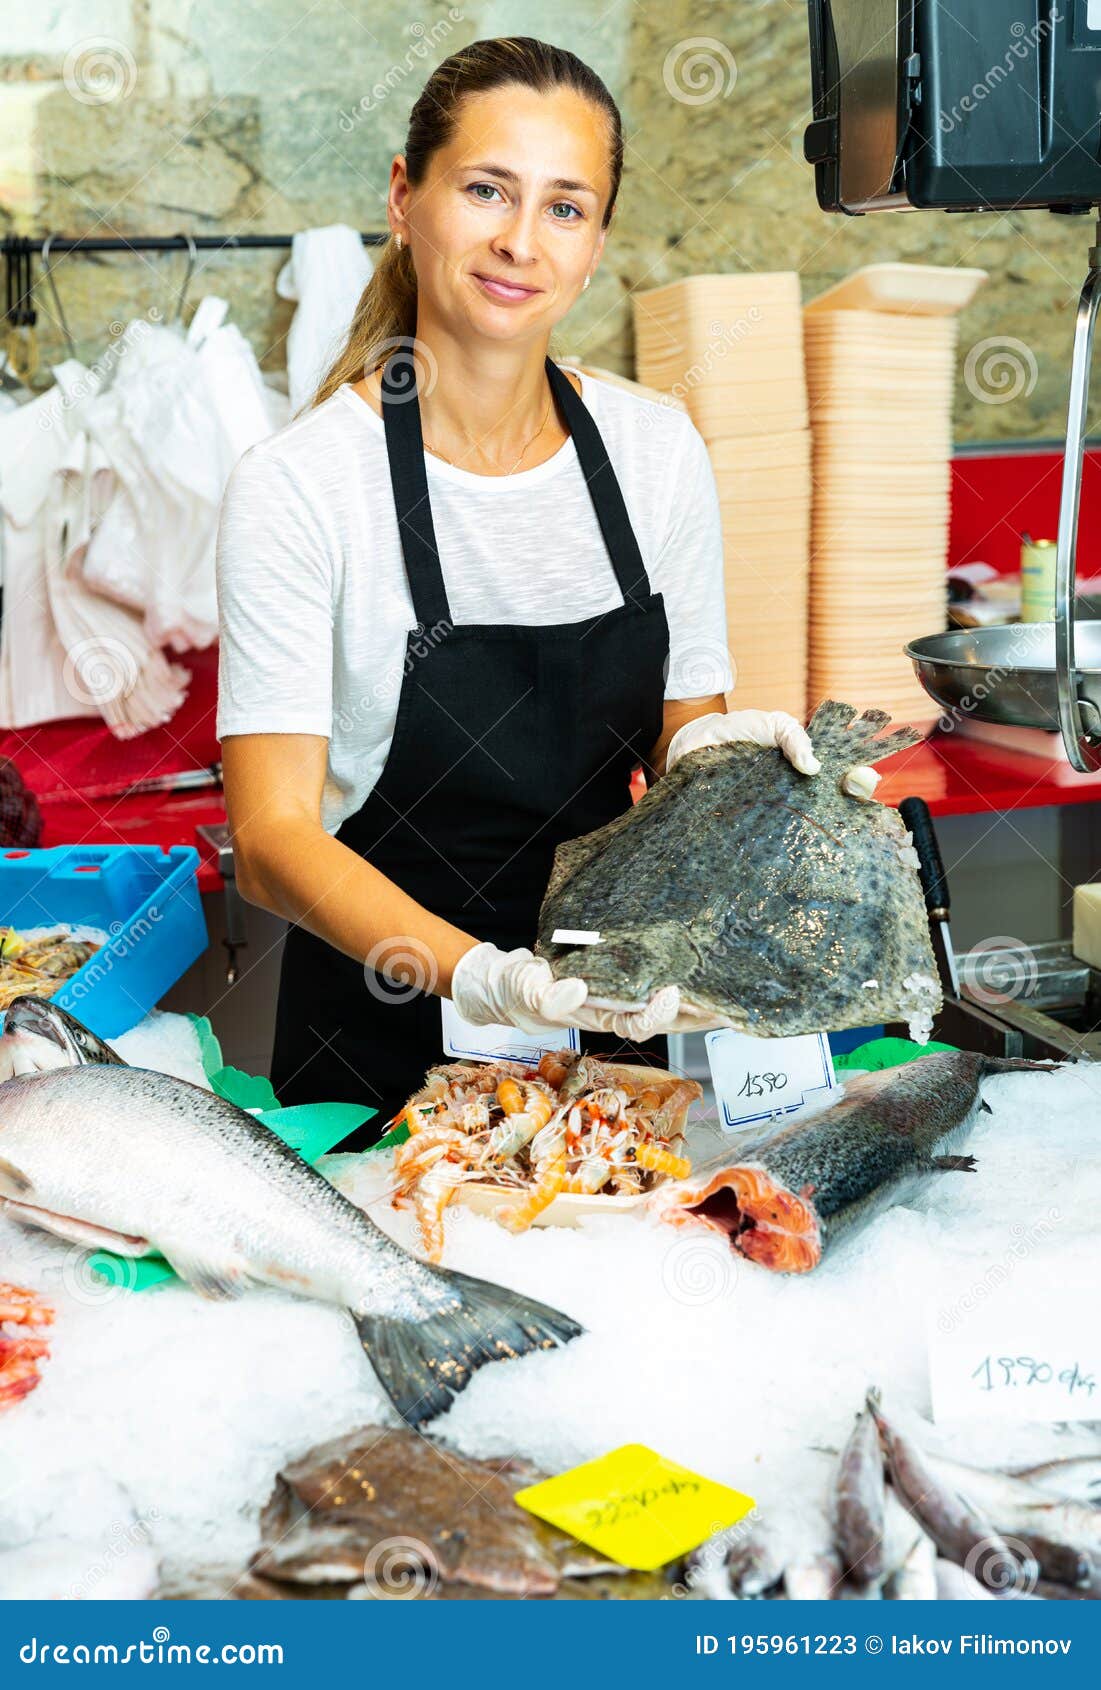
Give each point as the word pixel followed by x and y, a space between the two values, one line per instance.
pixel 433 1194
pixel 20 1355
pixel 548 1160
pixel 527 1108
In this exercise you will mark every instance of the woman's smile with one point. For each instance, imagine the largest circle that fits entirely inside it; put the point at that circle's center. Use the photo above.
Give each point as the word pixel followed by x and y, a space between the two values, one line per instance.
pixel 508 293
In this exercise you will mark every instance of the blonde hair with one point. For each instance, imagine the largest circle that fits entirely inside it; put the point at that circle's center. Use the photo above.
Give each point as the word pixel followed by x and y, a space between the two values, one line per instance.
pixel 387 309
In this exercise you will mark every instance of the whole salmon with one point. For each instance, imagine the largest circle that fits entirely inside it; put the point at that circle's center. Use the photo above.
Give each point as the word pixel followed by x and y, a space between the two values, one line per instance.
pixel 125 1159
pixel 785 1195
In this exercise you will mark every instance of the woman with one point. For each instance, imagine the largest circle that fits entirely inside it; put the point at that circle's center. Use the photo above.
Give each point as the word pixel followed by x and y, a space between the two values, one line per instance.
pixel 462 597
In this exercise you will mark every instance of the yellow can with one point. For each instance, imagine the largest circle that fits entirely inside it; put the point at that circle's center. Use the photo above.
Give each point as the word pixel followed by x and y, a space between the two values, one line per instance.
pixel 1038 581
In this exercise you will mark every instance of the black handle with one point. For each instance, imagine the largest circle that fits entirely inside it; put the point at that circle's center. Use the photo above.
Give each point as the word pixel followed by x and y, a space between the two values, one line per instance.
pixel 915 813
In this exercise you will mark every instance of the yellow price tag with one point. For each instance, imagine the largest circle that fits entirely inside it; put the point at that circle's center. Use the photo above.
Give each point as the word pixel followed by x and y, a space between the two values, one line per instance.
pixel 636 1507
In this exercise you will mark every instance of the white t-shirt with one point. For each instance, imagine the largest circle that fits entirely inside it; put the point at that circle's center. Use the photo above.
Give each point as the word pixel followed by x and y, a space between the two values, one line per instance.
pixel 313 602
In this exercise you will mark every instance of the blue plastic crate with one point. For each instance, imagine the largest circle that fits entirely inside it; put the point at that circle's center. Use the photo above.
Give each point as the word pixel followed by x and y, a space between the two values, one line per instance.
pixel 146 899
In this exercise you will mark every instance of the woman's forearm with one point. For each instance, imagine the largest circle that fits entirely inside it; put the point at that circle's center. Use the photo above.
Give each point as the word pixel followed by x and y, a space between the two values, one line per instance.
pixel 309 877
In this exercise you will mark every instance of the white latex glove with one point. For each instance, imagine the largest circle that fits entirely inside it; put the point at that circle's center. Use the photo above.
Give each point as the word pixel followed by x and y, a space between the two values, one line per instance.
pixel 491 987
pixel 517 989
pixel 765 728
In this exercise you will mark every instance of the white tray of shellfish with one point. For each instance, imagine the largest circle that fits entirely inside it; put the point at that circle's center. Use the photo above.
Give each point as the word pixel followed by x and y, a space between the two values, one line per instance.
pixel 539 1146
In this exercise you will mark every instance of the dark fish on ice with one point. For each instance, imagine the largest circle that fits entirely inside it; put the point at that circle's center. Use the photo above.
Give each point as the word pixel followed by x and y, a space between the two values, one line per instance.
pixel 960 1531
pixel 775 901
pixel 860 1503
pixel 133 1161
pixel 1029 1512
pixel 39 1035
pixel 787 1194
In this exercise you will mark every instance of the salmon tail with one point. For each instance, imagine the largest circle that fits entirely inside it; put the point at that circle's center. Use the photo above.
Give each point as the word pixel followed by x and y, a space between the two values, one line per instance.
pixel 423 1364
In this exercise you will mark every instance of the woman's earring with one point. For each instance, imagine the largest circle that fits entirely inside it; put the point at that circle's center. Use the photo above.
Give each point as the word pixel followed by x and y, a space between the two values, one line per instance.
pixel 585 283
pixel 398 240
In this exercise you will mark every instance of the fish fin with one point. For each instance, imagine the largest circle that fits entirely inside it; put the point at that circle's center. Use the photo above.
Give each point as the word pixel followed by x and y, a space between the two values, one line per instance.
pixel 423 1364
pixel 13 1181
pixel 956 1164
pixel 843 739
pixel 218 1280
pixel 985 1107
pixel 76 1231
pixel 1019 1065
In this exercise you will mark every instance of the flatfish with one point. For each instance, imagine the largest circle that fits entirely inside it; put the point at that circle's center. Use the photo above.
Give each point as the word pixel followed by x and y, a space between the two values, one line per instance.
pixel 777 903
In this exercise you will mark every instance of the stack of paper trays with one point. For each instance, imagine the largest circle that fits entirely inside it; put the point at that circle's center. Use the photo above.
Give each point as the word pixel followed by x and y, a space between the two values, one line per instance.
pixel 730 348
pixel 880 383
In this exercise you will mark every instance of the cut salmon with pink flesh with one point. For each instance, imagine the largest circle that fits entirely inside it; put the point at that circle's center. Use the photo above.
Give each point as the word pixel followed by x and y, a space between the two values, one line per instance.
pixel 761 1218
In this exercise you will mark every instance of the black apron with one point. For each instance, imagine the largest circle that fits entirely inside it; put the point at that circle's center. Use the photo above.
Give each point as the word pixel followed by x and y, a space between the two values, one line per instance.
pixel 508 740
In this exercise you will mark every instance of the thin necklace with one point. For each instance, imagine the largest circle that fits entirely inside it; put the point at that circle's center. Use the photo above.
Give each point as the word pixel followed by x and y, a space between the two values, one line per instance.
pixel 515 466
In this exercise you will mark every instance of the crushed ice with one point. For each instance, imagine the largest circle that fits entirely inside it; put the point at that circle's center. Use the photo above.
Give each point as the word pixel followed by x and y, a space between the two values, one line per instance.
pixel 162 1419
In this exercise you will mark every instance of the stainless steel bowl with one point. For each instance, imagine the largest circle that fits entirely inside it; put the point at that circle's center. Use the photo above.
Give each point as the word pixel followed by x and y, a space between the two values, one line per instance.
pixel 1007 673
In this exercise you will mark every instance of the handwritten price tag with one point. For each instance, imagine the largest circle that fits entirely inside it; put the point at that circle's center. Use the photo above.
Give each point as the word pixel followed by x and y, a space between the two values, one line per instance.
pixel 1027 1354
pixel 491 1044
pixel 755 1079
pixel 636 1507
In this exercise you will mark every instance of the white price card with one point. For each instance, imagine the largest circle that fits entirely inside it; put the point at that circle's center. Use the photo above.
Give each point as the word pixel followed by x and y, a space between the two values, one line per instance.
pixel 755 1079
pixel 1014 1345
pixel 1093 14
pixel 491 1044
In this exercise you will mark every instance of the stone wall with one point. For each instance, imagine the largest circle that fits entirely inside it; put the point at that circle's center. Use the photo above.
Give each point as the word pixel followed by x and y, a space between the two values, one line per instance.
pixel 159 116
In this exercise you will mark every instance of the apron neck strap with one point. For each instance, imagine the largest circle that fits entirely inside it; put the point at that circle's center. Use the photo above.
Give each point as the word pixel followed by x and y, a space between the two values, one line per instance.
pixel 604 489
pixel 409 482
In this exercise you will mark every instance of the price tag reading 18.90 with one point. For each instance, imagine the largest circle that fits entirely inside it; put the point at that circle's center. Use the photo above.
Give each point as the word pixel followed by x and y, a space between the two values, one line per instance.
pixel 755 1079
pixel 1031 1352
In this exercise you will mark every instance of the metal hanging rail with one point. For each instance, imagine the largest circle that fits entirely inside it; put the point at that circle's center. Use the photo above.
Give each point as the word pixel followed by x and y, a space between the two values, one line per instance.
pixel 16 252
pixel 155 243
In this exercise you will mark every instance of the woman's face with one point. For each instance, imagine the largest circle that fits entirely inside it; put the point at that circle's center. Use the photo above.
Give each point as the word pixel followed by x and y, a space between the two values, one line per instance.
pixel 507 222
